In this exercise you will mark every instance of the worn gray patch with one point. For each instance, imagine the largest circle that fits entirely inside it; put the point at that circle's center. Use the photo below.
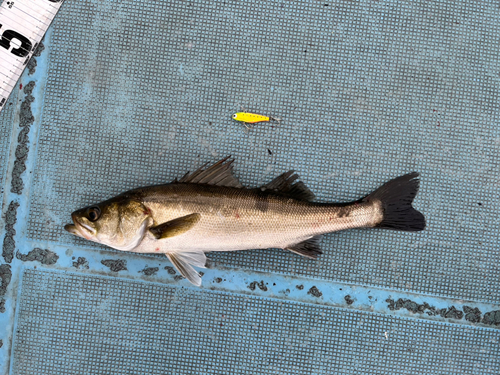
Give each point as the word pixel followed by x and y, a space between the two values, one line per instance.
pixel 218 280
pixel 81 262
pixel 262 286
pixel 299 287
pixel 115 265
pixel 2 305
pixel 348 300
pixel 43 256
pixel 412 306
pixel 314 291
pixel 9 244
pixel 452 313
pixel 492 318
pixel 286 292
pixel 170 270
pixel 26 119
pixel 26 116
pixel 1 343
pixel 149 271
pixel 33 63
pixel 449 313
pixel 5 277
pixel 472 315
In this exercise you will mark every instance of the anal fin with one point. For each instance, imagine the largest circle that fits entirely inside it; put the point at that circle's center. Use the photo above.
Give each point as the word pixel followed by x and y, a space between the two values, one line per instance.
pixel 184 262
pixel 308 248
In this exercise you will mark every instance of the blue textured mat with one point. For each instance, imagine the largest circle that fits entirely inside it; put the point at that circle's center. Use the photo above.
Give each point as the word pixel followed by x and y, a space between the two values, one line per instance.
pixel 121 327
pixel 351 120
pixel 133 93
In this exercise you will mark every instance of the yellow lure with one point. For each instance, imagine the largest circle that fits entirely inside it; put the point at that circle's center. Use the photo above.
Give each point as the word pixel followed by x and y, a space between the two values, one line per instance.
pixel 250 118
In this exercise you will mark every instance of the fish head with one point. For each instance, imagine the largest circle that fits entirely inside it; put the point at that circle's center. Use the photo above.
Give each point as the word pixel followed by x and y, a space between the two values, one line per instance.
pixel 120 223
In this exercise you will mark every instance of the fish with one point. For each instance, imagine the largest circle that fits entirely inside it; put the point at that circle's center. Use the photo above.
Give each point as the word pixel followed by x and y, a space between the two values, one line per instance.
pixel 209 210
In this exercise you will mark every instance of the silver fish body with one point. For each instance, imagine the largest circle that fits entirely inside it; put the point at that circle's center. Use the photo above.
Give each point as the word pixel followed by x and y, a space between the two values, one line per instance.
pixel 208 210
pixel 241 219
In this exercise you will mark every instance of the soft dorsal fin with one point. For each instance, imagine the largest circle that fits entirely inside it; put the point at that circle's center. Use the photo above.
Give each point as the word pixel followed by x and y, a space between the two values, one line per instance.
pixel 288 185
pixel 220 174
pixel 308 248
pixel 175 227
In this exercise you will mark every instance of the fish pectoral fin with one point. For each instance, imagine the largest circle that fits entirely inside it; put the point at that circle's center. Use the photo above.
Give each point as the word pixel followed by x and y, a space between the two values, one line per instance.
pixel 287 184
pixel 175 227
pixel 308 248
pixel 219 174
pixel 184 262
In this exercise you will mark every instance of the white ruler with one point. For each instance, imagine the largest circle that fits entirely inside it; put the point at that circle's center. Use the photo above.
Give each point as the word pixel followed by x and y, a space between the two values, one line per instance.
pixel 23 24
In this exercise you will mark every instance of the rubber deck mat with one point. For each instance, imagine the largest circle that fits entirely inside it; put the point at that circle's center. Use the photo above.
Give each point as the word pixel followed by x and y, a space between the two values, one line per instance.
pixel 134 93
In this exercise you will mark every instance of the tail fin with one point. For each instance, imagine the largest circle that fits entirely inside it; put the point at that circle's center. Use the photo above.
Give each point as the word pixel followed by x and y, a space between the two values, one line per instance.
pixel 397 196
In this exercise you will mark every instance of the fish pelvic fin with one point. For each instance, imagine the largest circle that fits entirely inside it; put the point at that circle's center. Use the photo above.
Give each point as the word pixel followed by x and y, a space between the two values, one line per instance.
pixel 308 248
pixel 184 262
pixel 175 227
pixel 396 197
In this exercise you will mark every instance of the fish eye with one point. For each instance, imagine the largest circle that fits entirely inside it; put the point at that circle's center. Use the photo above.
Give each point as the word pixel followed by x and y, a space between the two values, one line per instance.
pixel 235 115
pixel 93 213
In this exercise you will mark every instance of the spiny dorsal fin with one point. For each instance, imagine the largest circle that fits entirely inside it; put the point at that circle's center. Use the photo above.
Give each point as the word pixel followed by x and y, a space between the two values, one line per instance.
pixel 308 248
pixel 175 227
pixel 285 184
pixel 220 174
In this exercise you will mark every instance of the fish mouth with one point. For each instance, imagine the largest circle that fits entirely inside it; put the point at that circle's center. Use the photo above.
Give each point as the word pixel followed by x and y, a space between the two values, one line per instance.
pixel 79 228
pixel 71 228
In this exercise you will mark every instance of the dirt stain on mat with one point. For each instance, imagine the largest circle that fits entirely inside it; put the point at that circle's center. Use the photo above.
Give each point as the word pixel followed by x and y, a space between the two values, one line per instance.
pixel 26 119
pixel 149 271
pixel 115 265
pixel 448 313
pixel 81 262
pixel 315 292
pixel 5 277
pixel 472 315
pixel 33 63
pixel 9 244
pixel 170 270
pixel 492 318
pixel 43 256
pixel 348 300
pixel 262 286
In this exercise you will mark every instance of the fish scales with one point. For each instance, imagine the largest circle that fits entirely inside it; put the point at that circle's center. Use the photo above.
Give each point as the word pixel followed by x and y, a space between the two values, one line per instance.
pixel 240 219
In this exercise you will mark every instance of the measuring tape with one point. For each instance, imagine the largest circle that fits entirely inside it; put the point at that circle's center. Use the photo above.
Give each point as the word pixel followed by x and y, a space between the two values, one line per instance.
pixel 23 24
